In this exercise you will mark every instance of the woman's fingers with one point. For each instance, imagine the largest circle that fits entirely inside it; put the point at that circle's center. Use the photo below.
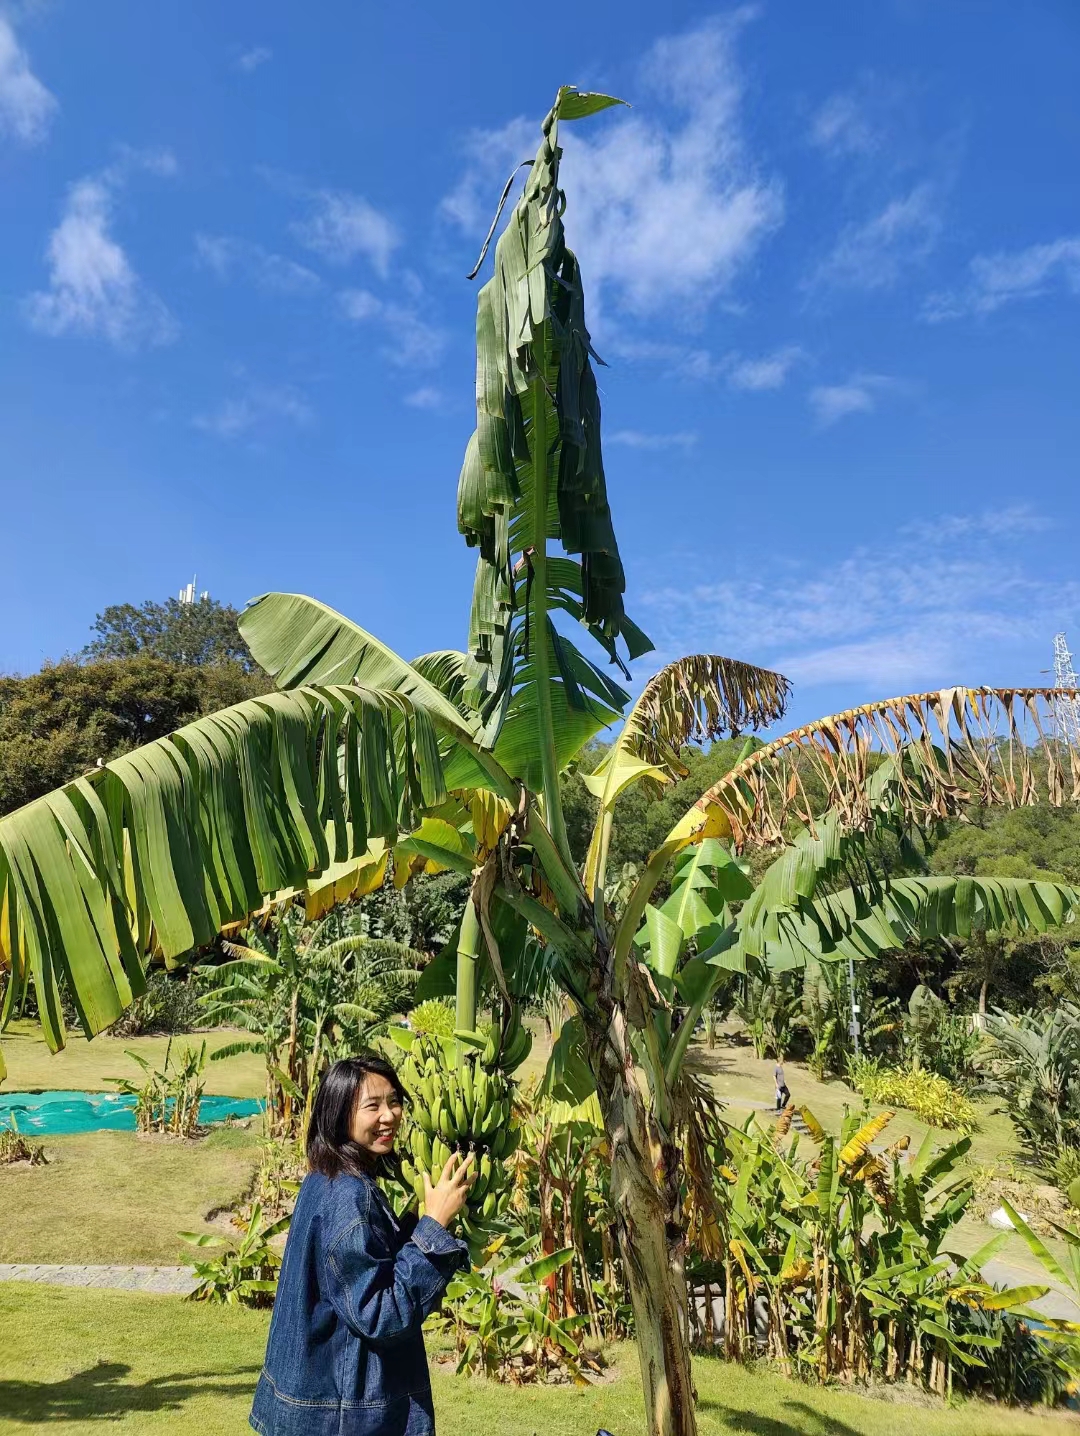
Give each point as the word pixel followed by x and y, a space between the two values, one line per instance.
pixel 465 1174
pixel 451 1163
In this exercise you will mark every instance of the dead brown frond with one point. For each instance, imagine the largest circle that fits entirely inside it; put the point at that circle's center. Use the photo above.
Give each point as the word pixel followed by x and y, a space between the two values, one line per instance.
pixel 783 1122
pixel 926 756
pixel 698 698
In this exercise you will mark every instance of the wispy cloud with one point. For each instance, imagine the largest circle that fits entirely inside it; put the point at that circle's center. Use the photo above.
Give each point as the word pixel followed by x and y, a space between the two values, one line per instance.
pixel 876 253
pixel 1004 278
pixel 842 126
pixel 666 208
pixel 93 288
pixel 492 155
pixel 255 410
pixel 26 106
pixel 635 439
pixel 251 59
pixel 875 118
pixel 228 257
pixel 342 226
pixel 428 398
pixel 898 614
pixel 858 395
pixel 770 371
pixel 411 340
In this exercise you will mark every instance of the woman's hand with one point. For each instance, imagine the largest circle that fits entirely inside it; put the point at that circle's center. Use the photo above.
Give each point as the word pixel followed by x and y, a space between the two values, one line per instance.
pixel 445 1199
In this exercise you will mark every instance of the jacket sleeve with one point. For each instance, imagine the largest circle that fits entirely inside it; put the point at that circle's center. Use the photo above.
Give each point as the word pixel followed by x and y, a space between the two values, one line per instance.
pixel 381 1294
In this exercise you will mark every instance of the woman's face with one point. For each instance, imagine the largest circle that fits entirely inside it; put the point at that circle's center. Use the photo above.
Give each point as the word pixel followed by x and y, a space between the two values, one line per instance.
pixel 376 1116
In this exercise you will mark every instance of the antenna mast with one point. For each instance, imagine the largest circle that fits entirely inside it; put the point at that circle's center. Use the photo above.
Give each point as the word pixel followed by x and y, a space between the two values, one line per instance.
pixel 1066 710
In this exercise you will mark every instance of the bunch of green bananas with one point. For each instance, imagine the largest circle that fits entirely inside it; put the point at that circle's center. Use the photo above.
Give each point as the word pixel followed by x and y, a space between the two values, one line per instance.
pixel 505 1052
pixel 459 1111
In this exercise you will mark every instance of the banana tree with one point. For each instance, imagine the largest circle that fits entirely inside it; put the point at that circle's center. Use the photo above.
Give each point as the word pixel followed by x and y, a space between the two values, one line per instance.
pixel 454 759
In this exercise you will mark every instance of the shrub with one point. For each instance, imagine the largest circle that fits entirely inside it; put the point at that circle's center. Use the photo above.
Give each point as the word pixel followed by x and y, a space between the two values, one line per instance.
pixel 169 1004
pixel 927 1094
pixel 15 1148
pixel 246 1273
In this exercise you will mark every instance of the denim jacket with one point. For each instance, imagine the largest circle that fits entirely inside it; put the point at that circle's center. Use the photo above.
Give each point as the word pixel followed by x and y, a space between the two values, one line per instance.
pixel 345 1355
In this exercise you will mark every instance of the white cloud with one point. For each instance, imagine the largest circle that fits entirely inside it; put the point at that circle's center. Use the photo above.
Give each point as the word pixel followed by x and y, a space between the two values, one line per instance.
pixel 343 225
pixel 226 256
pixel 898 614
pixel 768 372
pixel 412 342
pixel 251 59
pixel 1006 278
pixel 876 253
pixel 492 155
pixel 859 395
pixel 26 106
pixel 427 398
pixel 93 288
pixel 665 208
pixel 635 439
pixel 842 126
pixel 258 408
pixel 993 523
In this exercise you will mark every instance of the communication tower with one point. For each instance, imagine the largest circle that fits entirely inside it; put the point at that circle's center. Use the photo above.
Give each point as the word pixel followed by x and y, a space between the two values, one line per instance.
pixel 1066 710
pixel 187 593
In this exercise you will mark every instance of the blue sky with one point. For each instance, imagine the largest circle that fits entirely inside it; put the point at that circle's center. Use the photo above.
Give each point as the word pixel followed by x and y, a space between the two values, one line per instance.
pixel 832 256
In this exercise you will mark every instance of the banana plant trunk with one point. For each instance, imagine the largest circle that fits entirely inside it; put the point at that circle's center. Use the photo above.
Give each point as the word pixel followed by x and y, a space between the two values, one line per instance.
pixel 468 958
pixel 650 1237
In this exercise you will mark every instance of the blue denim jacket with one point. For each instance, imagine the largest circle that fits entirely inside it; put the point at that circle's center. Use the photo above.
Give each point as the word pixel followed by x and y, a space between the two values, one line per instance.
pixel 345 1355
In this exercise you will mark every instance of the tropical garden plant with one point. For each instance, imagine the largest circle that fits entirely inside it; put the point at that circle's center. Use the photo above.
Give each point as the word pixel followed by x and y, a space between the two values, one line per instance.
pixel 844 1249
pixel 1032 1060
pixel 167 1099
pixel 245 1271
pixel 362 763
pixel 307 994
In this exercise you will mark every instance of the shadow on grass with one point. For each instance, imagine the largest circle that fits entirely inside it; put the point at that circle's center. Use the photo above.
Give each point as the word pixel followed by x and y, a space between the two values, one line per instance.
pixel 100 1393
pixel 805 1421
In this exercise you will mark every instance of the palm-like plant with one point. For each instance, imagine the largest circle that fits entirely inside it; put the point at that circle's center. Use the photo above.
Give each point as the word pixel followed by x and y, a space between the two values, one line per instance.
pixel 1033 1060
pixel 310 995
pixel 462 753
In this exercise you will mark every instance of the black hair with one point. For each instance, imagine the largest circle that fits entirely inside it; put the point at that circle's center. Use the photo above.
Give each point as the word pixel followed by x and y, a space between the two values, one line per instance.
pixel 330 1147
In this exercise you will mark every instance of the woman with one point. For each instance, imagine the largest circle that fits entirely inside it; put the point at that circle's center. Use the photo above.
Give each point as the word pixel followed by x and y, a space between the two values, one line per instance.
pixel 345 1356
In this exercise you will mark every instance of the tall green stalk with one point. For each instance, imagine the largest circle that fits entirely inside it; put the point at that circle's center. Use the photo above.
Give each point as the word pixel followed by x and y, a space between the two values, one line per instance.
pixel 468 960
pixel 553 809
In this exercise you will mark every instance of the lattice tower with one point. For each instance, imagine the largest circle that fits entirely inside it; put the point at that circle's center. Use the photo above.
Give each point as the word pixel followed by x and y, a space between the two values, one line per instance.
pixel 1067 710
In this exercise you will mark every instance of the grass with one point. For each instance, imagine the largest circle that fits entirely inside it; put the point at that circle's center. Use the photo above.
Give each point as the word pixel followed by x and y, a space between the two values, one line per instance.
pixel 150 1365
pixel 116 1197
pixel 85 1066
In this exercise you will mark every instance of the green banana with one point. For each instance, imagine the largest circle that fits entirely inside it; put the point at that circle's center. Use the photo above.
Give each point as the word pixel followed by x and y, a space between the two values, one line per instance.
pixel 446 1126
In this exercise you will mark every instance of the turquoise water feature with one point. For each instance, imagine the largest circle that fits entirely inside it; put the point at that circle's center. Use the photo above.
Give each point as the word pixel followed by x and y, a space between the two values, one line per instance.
pixel 53 1114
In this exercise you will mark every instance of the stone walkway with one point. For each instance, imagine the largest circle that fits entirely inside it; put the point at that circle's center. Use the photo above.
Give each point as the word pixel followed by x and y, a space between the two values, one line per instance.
pixel 164 1280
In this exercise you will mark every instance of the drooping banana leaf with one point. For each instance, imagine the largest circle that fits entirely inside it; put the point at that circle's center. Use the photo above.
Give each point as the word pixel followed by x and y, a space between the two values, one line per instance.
pixel 161 848
pixel 849 924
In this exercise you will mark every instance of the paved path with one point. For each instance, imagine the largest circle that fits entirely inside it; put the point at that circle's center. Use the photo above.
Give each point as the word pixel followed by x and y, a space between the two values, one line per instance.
pixel 164 1280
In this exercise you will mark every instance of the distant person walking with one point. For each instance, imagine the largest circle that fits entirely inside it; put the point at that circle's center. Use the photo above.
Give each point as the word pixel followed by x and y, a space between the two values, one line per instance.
pixel 783 1096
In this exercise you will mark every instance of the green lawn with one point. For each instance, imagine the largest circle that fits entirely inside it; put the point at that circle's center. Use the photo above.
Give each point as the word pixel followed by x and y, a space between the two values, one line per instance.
pixel 150 1365
pixel 116 1197
pixel 85 1066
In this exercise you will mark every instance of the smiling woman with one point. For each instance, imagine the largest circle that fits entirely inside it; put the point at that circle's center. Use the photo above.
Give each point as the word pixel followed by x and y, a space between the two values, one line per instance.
pixel 345 1344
